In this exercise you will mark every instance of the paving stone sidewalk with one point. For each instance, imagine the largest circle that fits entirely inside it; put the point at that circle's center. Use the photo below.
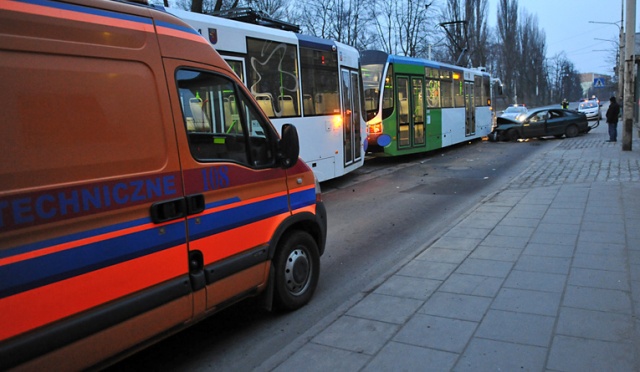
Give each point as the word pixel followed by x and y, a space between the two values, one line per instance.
pixel 543 275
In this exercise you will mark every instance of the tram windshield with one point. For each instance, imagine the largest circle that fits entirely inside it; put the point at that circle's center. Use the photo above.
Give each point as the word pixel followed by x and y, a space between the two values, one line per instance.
pixel 371 79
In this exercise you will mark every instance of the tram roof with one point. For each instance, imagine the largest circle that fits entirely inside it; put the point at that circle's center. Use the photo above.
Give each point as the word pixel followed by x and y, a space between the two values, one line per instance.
pixel 315 42
pixel 377 56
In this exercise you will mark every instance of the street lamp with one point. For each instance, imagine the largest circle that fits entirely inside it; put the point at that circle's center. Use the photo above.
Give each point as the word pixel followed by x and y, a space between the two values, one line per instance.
pixel 621 53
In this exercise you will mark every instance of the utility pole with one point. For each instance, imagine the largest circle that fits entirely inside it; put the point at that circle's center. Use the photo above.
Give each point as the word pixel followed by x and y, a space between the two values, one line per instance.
pixel 620 59
pixel 621 68
pixel 629 83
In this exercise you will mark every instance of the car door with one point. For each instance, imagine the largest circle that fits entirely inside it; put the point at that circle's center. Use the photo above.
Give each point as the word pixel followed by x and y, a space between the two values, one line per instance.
pixel 534 125
pixel 557 123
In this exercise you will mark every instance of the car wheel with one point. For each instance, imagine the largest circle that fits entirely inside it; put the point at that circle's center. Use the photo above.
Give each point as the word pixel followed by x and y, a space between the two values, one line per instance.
pixel 512 135
pixel 571 131
pixel 297 269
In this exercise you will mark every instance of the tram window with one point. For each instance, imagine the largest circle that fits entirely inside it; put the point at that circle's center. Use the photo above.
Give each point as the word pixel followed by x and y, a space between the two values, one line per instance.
pixel 357 107
pixel 404 138
pixel 236 66
pixel 446 88
pixel 388 97
pixel 417 100
pixel 478 99
pixel 433 87
pixel 371 80
pixel 458 87
pixel 272 72
pixel 221 124
pixel 433 93
pixel 486 91
pixel 319 82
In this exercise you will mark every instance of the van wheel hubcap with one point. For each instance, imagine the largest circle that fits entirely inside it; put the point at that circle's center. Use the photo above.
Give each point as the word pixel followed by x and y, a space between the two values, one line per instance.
pixel 297 271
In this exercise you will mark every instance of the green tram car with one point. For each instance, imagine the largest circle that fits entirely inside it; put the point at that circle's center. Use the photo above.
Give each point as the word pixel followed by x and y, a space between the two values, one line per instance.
pixel 415 105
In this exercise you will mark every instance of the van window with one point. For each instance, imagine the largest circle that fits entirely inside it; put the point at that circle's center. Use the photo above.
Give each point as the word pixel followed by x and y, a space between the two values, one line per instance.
pixel 221 123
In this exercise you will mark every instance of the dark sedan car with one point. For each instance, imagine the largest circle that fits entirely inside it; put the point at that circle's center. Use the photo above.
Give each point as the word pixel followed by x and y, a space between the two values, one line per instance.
pixel 540 123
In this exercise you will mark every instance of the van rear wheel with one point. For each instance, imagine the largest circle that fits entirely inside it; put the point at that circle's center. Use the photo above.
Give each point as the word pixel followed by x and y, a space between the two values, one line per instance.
pixel 297 269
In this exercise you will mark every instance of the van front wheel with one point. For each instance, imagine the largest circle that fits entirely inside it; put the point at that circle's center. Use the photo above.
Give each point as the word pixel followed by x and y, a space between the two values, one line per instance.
pixel 297 269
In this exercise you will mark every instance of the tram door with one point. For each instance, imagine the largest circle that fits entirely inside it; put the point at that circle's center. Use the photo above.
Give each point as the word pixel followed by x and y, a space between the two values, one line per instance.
pixel 410 109
pixel 470 109
pixel 351 116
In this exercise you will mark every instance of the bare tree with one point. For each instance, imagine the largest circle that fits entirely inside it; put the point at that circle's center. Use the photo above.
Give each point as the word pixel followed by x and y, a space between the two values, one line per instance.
pixel 382 14
pixel 347 25
pixel 276 9
pixel 532 74
pixel 207 6
pixel 412 21
pixel 454 23
pixel 339 20
pixel 507 32
pixel 478 34
pixel 402 27
pixel 315 17
pixel 465 25
pixel 565 79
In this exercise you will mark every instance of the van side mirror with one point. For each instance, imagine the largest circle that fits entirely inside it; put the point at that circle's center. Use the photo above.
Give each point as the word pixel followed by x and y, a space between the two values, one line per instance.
pixel 289 146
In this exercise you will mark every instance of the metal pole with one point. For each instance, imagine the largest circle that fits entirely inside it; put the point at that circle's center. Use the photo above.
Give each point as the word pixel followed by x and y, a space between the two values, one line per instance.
pixel 621 46
pixel 620 53
pixel 629 83
pixel 621 61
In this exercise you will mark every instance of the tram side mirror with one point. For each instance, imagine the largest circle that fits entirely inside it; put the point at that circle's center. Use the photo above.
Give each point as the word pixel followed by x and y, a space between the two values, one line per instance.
pixel 289 146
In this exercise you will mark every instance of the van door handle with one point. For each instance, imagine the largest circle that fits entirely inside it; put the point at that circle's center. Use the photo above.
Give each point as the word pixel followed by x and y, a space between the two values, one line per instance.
pixel 195 204
pixel 168 210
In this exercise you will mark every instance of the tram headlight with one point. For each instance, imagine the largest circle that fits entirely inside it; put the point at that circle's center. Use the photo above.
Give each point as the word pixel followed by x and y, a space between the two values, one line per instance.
pixel 337 122
pixel 374 128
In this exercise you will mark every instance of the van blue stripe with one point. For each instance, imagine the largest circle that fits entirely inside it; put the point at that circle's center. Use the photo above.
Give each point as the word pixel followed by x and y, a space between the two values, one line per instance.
pixel 174 26
pixel 72 237
pixel 24 275
pixel 220 203
pixel 93 11
pixel 231 218
pixel 32 273
pixel 303 198
pixel 217 222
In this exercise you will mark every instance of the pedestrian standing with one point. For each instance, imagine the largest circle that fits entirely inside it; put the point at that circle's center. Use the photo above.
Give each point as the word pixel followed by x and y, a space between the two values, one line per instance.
pixel 612 119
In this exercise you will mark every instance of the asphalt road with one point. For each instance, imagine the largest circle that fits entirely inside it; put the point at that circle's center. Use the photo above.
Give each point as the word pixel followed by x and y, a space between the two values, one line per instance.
pixel 379 217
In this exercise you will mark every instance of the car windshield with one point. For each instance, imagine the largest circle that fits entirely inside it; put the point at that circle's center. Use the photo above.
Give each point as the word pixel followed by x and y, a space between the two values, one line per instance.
pixel 513 109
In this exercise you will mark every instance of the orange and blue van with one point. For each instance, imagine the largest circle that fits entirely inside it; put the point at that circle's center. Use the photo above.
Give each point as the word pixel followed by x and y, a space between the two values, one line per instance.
pixel 141 187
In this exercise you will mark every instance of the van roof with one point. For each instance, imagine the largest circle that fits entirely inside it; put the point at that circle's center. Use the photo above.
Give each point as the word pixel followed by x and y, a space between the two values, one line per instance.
pixel 176 38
